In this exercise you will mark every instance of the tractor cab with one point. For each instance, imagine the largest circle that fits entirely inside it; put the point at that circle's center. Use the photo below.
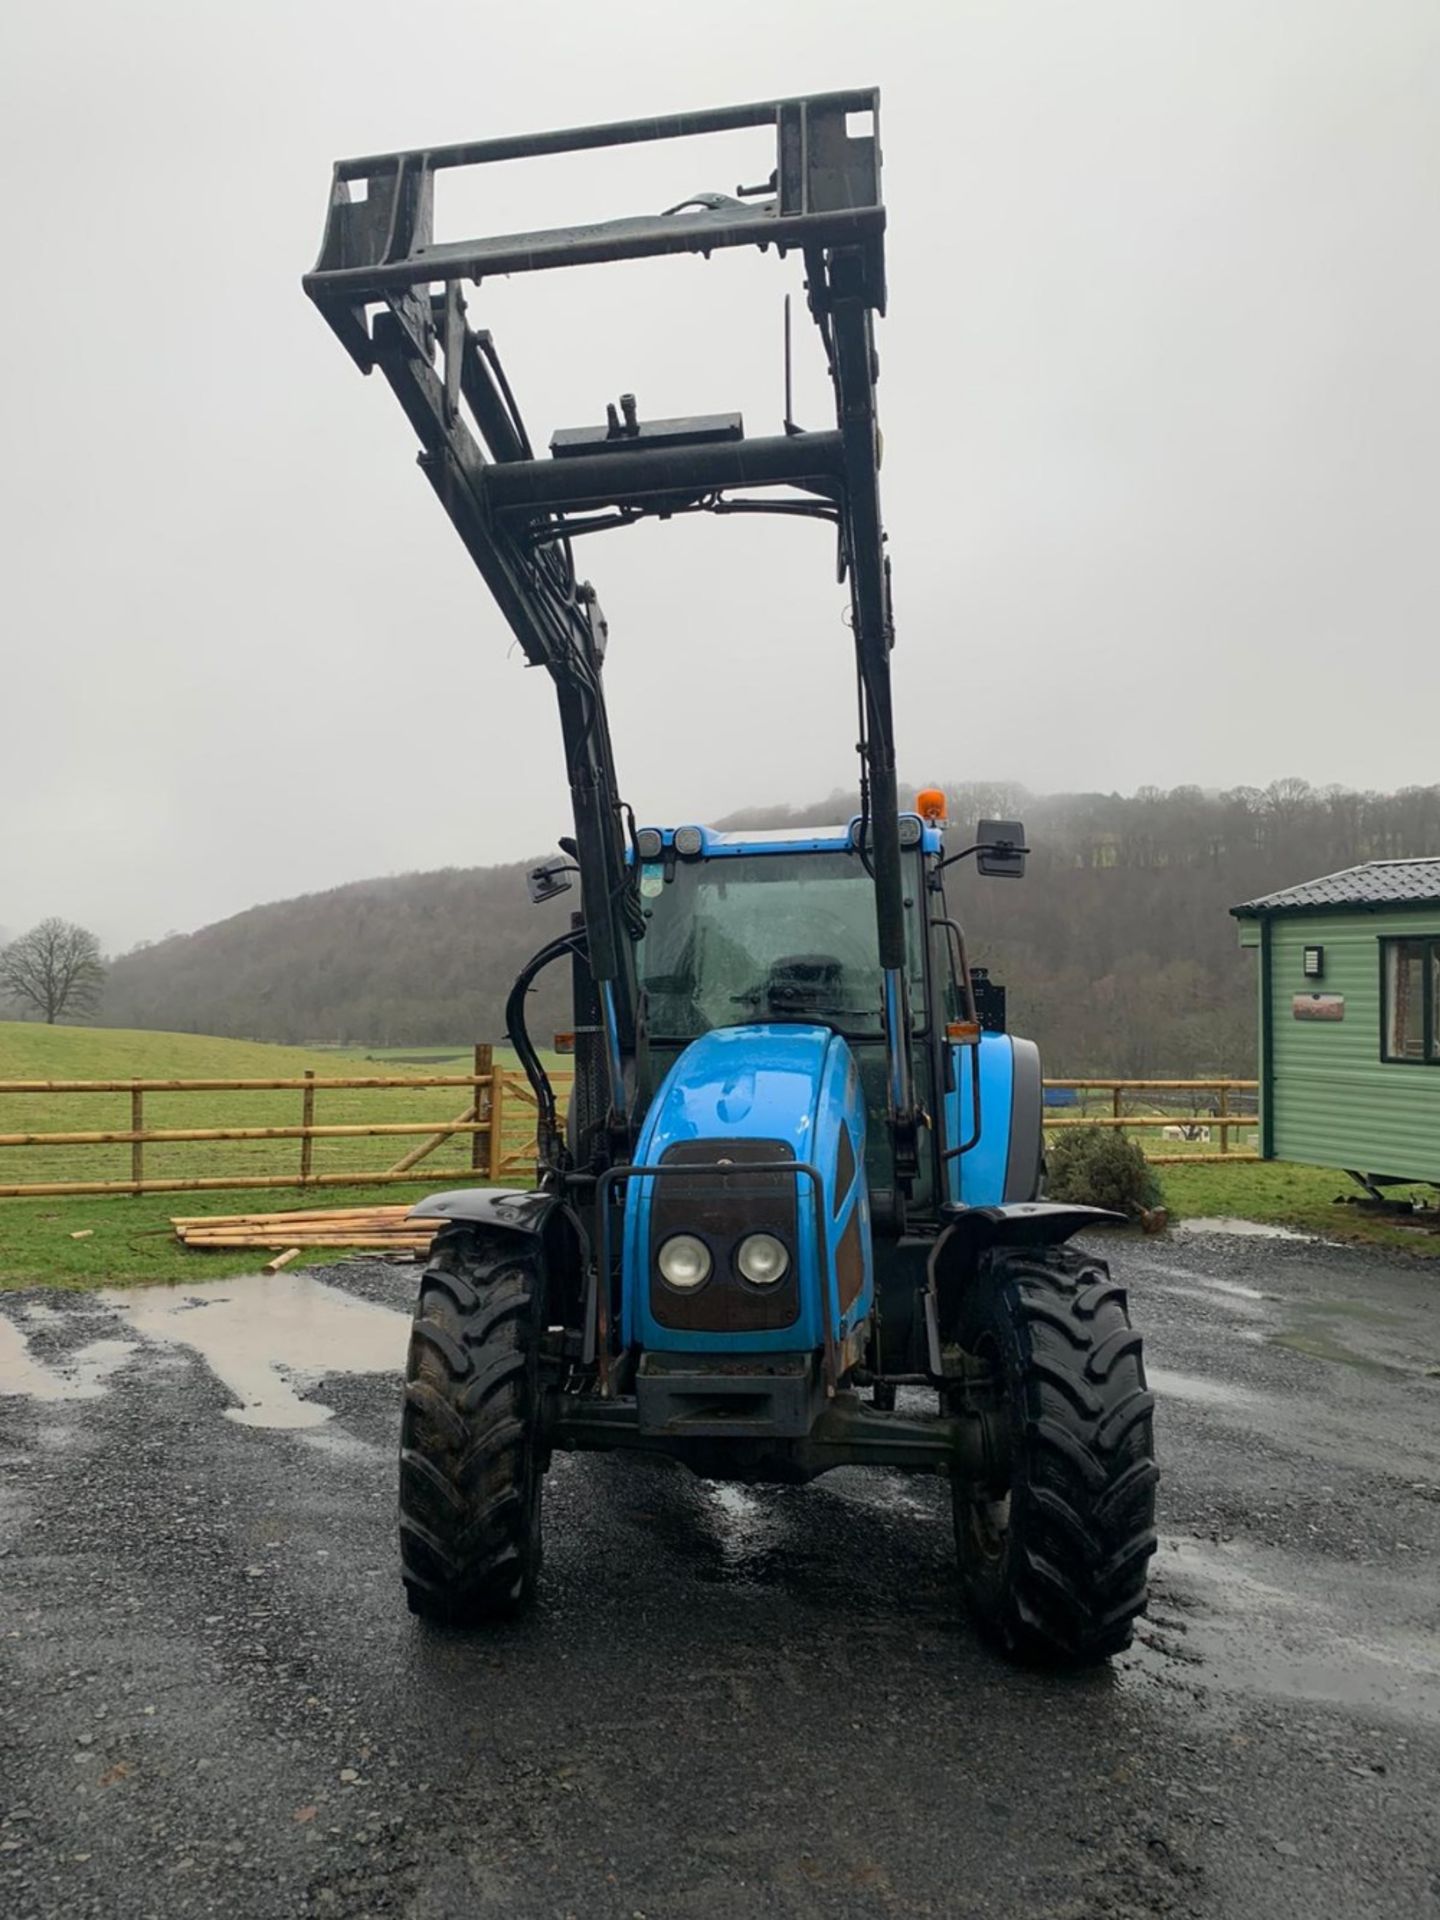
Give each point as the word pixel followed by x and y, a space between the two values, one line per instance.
pixel 768 926
pixel 778 926
pixel 759 929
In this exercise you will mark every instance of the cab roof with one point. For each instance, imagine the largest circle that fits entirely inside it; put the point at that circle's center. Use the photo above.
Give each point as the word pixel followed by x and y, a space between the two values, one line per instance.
pixel 802 839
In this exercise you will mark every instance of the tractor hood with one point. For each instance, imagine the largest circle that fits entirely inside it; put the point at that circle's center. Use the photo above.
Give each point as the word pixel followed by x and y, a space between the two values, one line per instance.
pixel 741 1083
pixel 745 1096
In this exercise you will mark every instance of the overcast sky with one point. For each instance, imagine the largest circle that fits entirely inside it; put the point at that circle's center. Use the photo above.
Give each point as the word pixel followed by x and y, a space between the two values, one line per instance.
pixel 1159 394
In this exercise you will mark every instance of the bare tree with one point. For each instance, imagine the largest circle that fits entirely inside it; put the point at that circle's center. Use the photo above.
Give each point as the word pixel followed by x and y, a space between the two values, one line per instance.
pixel 55 968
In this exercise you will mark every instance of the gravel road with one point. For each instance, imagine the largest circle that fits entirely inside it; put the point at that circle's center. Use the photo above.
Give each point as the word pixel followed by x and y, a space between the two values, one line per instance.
pixel 731 1702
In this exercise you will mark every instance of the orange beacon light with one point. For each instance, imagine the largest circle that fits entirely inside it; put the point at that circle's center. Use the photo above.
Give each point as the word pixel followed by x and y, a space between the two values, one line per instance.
pixel 930 805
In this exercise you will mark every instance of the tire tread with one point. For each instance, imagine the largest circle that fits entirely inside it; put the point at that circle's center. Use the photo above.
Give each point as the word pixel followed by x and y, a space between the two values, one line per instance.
pixel 470 1456
pixel 1072 1578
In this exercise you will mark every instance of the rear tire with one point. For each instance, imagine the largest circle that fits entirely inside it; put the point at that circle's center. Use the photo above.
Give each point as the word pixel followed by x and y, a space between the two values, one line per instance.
pixel 471 1458
pixel 1054 1551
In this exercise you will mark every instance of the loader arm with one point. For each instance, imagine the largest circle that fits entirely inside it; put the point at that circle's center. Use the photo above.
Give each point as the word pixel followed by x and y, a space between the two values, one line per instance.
pixel 517 515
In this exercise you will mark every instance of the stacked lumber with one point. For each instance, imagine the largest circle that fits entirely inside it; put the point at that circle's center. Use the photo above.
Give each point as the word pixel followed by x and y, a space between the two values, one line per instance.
pixel 385 1229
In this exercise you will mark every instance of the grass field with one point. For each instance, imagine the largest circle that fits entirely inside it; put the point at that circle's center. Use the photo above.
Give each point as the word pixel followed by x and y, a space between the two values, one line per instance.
pixel 1311 1199
pixel 418 1059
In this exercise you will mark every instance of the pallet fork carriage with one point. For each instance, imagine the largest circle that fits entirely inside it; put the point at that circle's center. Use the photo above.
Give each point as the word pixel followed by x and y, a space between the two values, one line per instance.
pixel 818 1264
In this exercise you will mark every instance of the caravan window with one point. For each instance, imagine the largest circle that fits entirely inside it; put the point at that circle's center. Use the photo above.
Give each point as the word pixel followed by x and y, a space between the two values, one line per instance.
pixel 1410 1001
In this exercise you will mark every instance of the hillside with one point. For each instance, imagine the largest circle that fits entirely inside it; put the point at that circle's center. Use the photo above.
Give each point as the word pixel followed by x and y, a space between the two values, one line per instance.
pixel 29 1050
pixel 1117 948
pixel 427 957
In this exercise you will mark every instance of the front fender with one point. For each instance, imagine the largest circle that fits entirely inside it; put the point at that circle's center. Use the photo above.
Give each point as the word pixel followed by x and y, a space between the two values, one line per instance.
pixel 973 1231
pixel 1033 1223
pixel 542 1217
pixel 513 1210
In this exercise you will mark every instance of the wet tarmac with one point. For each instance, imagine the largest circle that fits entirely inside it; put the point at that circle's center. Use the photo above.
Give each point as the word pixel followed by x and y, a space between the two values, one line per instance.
pixel 732 1700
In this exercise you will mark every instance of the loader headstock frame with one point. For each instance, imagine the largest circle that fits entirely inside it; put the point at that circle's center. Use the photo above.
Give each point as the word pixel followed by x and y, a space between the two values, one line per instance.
pixel 373 282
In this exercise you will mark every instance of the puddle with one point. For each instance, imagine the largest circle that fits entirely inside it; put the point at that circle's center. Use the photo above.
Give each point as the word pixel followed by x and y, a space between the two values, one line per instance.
pixel 740 1507
pixel 1232 1289
pixel 1318 1346
pixel 1254 1622
pixel 1234 1307
pixel 82 1376
pixel 267 1337
pixel 336 1445
pixel 1242 1229
pixel 1350 1310
pixel 746 1528
pixel 889 1493
pixel 1199 1388
pixel 1318 1340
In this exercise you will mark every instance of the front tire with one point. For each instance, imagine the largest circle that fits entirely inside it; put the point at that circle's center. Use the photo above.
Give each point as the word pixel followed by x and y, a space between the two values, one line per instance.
pixel 1054 1548
pixel 471 1457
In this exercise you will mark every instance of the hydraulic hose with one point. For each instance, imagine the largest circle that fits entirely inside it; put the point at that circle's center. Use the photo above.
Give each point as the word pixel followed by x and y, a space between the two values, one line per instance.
pixel 547 1127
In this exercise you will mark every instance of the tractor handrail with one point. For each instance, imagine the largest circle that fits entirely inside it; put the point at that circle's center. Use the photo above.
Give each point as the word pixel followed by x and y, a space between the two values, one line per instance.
pixel 722 1170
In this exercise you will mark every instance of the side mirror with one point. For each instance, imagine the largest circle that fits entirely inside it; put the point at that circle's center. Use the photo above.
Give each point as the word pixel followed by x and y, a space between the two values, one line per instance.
pixel 1001 851
pixel 550 878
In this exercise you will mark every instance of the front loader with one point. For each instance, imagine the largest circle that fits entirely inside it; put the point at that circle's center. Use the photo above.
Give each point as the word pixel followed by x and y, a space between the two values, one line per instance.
pixel 791 1217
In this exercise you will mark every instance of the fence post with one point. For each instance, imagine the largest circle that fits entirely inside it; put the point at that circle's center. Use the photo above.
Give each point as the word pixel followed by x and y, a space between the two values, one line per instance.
pixel 497 1124
pixel 1116 1108
pixel 137 1150
pixel 1224 1108
pixel 479 1144
pixel 307 1119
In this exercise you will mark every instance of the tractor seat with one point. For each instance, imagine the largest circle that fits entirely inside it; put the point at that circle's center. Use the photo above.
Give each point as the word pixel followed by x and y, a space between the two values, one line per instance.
pixel 803 984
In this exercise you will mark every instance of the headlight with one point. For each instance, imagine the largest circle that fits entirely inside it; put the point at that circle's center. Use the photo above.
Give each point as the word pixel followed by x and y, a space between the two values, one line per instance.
pixel 762 1259
pixel 688 842
pixel 684 1262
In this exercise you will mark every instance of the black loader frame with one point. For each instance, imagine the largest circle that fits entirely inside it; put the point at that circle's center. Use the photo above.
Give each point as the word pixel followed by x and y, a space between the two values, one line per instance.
pixel 518 515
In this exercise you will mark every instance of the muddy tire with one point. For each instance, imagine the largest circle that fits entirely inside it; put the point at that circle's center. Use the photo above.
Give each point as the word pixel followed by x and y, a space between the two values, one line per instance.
pixel 1054 1552
pixel 471 1459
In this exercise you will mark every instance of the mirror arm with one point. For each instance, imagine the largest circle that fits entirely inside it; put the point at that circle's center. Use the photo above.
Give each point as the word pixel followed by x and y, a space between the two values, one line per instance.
pixel 980 846
pixel 548 879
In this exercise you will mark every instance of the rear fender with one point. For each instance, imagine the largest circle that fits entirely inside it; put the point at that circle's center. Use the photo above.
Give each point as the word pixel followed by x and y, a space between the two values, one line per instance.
pixel 955 1257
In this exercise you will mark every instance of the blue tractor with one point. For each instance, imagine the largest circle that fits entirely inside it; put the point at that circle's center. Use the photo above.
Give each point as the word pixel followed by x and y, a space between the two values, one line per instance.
pixel 791 1218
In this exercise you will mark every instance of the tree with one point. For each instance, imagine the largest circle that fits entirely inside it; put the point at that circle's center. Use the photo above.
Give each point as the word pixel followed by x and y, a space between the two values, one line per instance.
pixel 55 967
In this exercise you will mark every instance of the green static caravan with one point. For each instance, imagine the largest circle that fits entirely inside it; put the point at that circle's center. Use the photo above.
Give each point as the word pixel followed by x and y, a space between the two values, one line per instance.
pixel 1350 1020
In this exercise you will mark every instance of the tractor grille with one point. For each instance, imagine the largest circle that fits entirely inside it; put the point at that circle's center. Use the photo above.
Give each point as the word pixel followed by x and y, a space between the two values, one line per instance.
pixel 721 1210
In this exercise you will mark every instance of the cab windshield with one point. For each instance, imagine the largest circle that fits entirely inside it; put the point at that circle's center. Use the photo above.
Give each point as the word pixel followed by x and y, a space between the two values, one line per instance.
pixel 758 937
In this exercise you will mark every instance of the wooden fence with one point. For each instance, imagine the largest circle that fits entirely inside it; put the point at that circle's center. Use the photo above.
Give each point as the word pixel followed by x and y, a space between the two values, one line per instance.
pixel 498 1118
pixel 1225 1115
